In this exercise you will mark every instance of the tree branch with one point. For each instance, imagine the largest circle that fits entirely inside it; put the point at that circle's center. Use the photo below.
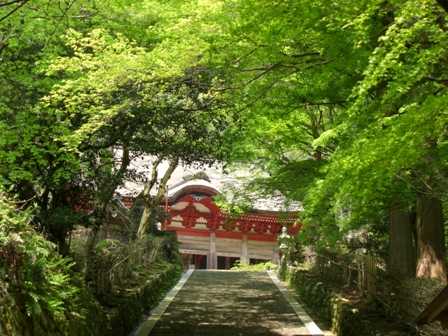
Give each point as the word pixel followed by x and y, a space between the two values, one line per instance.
pixel 20 4
pixel 438 80
pixel 311 53
pixel 151 204
pixel 4 4
pixel 116 179
pixel 153 179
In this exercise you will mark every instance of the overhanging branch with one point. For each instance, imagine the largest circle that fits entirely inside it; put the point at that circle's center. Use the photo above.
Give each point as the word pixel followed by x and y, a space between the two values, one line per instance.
pixel 20 4
pixel 4 4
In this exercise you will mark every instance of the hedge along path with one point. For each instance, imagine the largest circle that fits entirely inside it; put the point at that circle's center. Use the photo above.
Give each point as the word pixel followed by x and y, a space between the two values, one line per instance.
pixel 301 313
pixel 146 327
pixel 229 303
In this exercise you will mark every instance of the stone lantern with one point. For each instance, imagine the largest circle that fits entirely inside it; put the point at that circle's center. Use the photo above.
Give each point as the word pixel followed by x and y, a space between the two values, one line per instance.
pixel 284 246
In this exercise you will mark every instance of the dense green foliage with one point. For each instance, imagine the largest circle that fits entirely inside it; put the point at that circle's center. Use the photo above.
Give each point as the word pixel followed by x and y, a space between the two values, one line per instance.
pixel 84 88
pixel 38 288
pixel 344 104
pixel 392 135
pixel 89 96
pixel 42 293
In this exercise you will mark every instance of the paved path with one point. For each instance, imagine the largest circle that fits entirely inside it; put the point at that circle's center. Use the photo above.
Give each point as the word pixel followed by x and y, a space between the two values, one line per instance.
pixel 226 303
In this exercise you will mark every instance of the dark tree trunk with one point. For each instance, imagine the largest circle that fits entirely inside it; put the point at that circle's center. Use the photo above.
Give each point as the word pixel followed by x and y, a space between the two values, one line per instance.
pixel 444 4
pixel 430 238
pixel 402 246
pixel 105 198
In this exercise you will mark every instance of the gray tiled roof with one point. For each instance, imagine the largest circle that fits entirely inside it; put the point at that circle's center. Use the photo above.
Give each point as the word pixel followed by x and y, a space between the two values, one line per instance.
pixel 214 177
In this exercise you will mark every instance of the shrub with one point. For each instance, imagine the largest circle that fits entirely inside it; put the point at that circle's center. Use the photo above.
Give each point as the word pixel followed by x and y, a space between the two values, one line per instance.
pixel 259 267
pixel 38 291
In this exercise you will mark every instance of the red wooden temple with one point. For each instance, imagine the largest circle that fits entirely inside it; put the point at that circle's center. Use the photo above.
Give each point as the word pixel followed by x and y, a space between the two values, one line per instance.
pixel 212 239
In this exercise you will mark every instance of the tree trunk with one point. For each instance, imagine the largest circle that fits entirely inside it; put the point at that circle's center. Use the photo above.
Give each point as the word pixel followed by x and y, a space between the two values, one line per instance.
pixel 430 238
pixel 444 4
pixel 402 247
pixel 109 188
pixel 105 197
pixel 151 203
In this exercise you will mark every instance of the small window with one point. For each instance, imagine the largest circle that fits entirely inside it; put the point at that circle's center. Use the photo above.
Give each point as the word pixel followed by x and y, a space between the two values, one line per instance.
pixel 198 196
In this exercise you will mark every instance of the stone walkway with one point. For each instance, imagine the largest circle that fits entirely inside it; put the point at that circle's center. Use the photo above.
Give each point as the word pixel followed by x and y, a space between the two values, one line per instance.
pixel 227 303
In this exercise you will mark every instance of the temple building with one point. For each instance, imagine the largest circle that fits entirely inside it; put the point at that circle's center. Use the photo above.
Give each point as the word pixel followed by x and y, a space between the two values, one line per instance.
pixel 208 237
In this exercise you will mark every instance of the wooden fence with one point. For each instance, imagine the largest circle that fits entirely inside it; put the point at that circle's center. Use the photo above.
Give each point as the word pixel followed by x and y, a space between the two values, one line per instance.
pixel 358 271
